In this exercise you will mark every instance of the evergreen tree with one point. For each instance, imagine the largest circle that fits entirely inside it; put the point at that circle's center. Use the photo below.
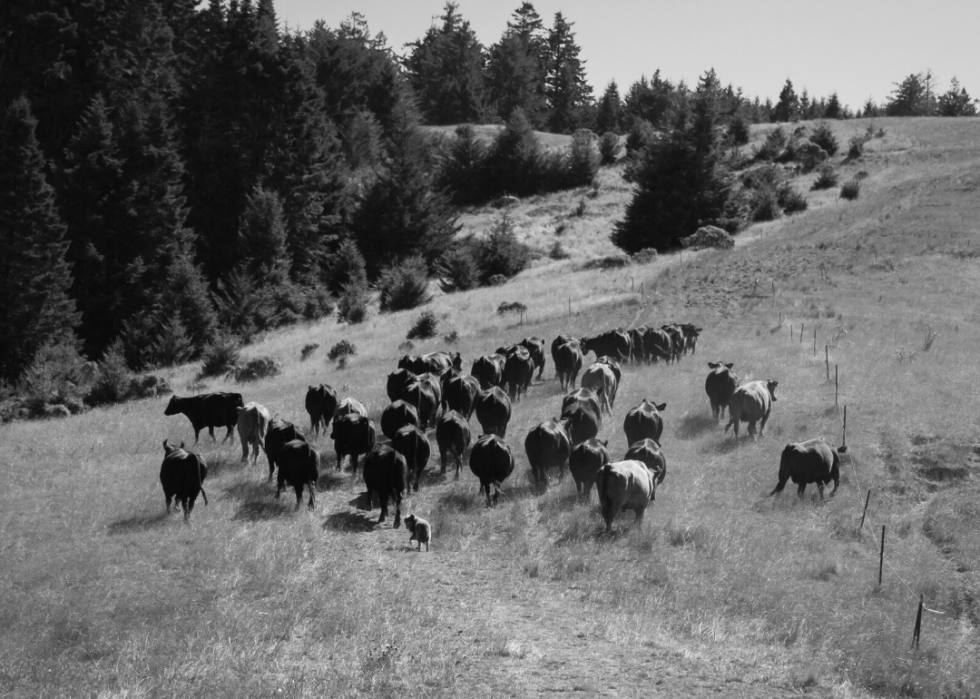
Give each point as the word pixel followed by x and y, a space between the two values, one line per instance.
pixel 833 109
pixel 652 101
pixel 609 111
pixel 956 102
pixel 911 97
pixel 788 107
pixel 569 95
pixel 806 106
pixel 684 180
pixel 445 69
pixel 517 68
pixel 35 308
pixel 463 171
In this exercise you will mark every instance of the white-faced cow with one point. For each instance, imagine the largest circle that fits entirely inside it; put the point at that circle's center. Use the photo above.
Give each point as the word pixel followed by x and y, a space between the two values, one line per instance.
pixel 321 404
pixel 625 485
pixel 492 462
pixel 812 461
pixel 720 386
pixel 386 473
pixel 547 446
pixel 644 422
pixel 584 463
pixel 182 476
pixel 453 438
pixel 253 423
pixel 752 402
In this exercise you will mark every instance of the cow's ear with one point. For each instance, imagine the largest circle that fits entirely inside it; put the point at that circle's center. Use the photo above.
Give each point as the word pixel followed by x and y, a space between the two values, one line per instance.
pixel 182 444
pixel 842 450
pixel 715 365
pixel 730 365
pixel 661 406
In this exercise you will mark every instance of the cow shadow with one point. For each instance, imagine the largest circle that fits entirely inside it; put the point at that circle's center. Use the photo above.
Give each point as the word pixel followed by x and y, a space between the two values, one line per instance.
pixel 219 464
pixel 330 480
pixel 352 522
pixel 258 500
pixel 138 523
pixel 693 426
pixel 726 446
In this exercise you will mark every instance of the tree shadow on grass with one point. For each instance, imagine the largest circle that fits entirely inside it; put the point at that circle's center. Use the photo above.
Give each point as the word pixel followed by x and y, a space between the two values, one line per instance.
pixel 693 426
pixel 139 523
pixel 350 522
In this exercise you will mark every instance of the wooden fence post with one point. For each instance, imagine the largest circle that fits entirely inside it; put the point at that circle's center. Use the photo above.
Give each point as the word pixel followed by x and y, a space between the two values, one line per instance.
pixel 569 306
pixel 814 342
pixel 801 332
pixel 864 514
pixel 790 332
pixel 826 359
pixel 836 386
pixel 918 624
pixel 844 433
pixel 881 559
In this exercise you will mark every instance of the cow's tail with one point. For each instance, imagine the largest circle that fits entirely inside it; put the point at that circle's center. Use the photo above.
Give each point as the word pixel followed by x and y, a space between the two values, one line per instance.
pixel 200 478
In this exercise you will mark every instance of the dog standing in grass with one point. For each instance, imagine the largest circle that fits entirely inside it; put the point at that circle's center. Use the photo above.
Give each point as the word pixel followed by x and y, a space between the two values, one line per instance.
pixel 419 530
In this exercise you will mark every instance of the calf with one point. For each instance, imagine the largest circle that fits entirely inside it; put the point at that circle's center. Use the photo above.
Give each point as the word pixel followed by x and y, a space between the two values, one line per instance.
pixel 720 386
pixel 580 422
pixel 812 461
pixel 625 485
pixel 386 473
pixel 299 466
pixel 644 422
pixel 253 423
pixel 584 463
pixel 420 531
pixel 751 402
pixel 453 438
pixel 492 462
pixel 648 452
pixel 352 434
pixel 547 445
pixel 321 404
pixel 209 410
pixel 182 476
pixel 412 443
pixel 493 411
pixel 279 433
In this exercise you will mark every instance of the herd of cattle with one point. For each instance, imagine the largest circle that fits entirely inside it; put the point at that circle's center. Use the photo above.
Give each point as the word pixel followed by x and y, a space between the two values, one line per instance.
pixel 431 391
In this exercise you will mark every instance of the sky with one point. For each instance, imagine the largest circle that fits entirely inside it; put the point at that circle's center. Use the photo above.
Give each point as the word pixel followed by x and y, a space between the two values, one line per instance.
pixel 858 48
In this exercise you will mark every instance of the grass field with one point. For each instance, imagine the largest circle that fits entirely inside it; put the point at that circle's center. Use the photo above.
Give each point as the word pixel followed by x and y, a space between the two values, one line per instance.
pixel 723 591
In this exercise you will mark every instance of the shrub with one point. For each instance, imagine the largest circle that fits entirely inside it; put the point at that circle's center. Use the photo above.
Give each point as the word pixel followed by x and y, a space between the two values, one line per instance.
pixel 609 148
pixel 352 304
pixel 641 135
pixel 855 147
pixel 308 350
pixel 616 261
pixel 53 376
pixel 406 346
pixel 452 338
pixel 114 380
pixel 826 177
pixel 220 356
pixel 773 146
pixel 738 130
pixel 792 201
pixel 765 205
pixel 424 327
pixel 500 253
pixel 497 280
pixel 808 154
pixel 343 348
pixel 344 267
pixel 513 163
pixel 404 285
pixel 583 159
pixel 173 346
pixel 515 307
pixel 850 190
pixel 148 386
pixel 258 368
pixel 557 251
pixel 457 271
pixel 823 136
pixel 580 208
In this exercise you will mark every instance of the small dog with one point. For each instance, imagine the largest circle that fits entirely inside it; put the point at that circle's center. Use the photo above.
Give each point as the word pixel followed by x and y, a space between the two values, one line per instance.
pixel 419 530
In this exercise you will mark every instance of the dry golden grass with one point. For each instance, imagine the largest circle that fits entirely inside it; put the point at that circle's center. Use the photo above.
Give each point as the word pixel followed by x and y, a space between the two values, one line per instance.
pixel 723 590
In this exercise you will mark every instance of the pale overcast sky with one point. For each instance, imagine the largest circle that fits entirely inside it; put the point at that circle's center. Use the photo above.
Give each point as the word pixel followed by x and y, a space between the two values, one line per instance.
pixel 857 47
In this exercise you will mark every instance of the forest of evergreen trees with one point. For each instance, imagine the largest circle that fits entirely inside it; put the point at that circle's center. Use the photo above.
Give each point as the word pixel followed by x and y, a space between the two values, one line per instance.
pixel 172 172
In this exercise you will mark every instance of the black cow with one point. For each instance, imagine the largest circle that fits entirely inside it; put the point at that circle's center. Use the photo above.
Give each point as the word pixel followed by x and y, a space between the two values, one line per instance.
pixel 279 433
pixel 690 333
pixel 586 396
pixel 518 372
pixel 420 394
pixel 299 466
pixel 676 340
pixel 209 410
pixel 398 381
pixel 615 343
pixel 649 452
pixel 453 438
pixel 434 382
pixel 581 423
pixel 636 339
pixel 812 461
pixel 386 473
pixel 396 416
pixel 321 404
pixel 558 342
pixel 412 443
pixel 182 476
pixel 535 346
pixel 460 395
pixel 547 445
pixel 435 362
pixel 584 463
pixel 493 411
pixel 720 385
pixel 352 434
pixel 568 362
pixel 644 422
pixel 492 462
pixel 489 370
pixel 657 346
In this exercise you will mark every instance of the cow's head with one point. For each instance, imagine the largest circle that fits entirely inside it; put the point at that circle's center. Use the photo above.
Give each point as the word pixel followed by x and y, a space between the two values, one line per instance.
pixel 172 408
pixel 771 386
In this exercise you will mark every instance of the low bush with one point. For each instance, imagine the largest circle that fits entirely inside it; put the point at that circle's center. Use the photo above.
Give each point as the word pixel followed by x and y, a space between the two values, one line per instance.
pixel 452 338
pixel 823 136
pixel 404 285
pixel 500 253
pixel 855 147
pixel 219 356
pixel 826 177
pixel 792 201
pixel 850 190
pixel 617 261
pixel 773 146
pixel 352 304
pixel 580 208
pixel 609 148
pixel 557 251
pixel 765 204
pixel 457 271
pixel 582 161
pixel 808 154
pixel 343 348
pixel 257 368
pixel 112 385
pixel 424 326
pixel 738 131
pixel 308 350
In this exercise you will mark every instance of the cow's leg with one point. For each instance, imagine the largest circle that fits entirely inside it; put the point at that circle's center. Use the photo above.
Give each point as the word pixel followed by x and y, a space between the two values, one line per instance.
pixel 312 503
pixel 762 426
pixel 298 488
pixel 383 497
pixel 800 490
pixel 169 501
pixel 272 467
pixel 752 430
pixel 340 460
pixel 229 435
pixel 442 461
pixel 244 451
pixel 197 433
pixel 459 464
pixel 820 488
pixel 398 513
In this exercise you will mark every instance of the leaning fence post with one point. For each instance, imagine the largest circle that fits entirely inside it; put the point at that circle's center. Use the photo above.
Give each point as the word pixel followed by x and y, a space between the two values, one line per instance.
pixel 814 342
pixel 864 514
pixel 844 432
pixel 826 359
pixel 918 624
pixel 881 558
pixel 836 385
pixel 790 332
pixel 801 332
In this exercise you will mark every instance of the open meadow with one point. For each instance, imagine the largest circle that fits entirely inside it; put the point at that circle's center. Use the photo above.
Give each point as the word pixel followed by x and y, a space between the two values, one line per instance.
pixel 722 591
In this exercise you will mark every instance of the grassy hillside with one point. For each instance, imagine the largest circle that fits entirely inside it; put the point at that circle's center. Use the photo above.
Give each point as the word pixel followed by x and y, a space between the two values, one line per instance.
pixel 722 590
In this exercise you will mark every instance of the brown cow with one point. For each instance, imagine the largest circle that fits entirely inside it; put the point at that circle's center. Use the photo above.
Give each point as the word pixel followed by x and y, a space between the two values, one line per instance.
pixel 752 402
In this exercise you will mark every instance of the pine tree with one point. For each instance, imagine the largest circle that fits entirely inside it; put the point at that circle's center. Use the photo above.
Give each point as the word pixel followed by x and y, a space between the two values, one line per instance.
pixel 445 69
pixel 911 97
pixel 788 107
pixel 653 101
pixel 569 95
pixel 517 68
pixel 35 308
pixel 956 102
pixel 833 109
pixel 609 112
